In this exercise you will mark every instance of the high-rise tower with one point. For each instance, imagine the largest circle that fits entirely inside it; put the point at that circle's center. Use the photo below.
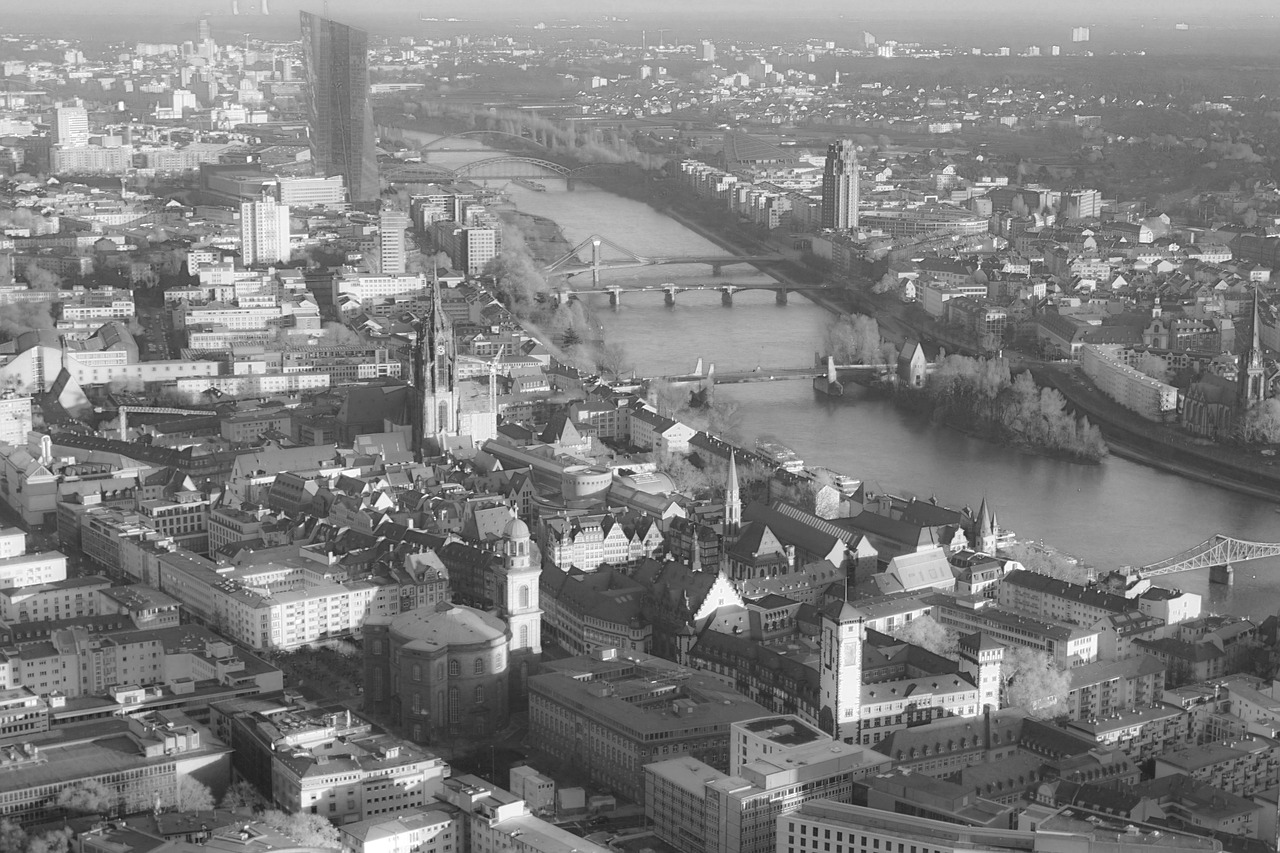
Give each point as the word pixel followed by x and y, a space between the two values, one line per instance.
pixel 336 60
pixel 392 225
pixel 264 232
pixel 840 187
pixel 434 379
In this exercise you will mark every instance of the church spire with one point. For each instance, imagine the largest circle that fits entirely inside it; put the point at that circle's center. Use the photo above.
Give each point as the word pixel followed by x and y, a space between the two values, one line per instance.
pixel 732 499
pixel 1251 378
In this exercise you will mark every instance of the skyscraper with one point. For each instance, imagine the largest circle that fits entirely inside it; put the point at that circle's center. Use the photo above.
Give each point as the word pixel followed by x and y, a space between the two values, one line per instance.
pixel 840 187
pixel 391 242
pixel 336 60
pixel 264 232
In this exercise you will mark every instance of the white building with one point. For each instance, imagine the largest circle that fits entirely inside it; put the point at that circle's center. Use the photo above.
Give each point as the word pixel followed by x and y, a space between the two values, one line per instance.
pixel 264 232
pixel 70 126
pixel 392 256
pixel 1136 391
pixel 15 418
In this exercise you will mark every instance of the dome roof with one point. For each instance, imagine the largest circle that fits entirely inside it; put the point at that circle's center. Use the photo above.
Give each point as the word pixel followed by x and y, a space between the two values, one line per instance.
pixel 444 625
pixel 516 529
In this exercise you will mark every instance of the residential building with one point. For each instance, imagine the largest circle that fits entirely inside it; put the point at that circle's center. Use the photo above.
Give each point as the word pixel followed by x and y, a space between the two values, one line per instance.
pixel 391 253
pixel 70 126
pixel 146 606
pixel 500 822
pixel 56 600
pixel 264 232
pixel 22 570
pixel 1142 733
pixel 1242 767
pixel 15 418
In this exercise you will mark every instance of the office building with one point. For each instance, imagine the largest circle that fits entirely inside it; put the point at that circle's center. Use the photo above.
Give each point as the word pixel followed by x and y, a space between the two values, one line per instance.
pixel 264 232
pixel 325 760
pixel 840 187
pixel 140 758
pixel 707 51
pixel 637 709
pixel 777 765
pixel 858 829
pixel 437 828
pixel 392 225
pixel 70 127
pixel 335 59
pixel 500 822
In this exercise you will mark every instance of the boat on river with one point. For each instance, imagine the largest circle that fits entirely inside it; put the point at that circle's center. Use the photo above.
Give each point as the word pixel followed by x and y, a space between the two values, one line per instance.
pixel 781 455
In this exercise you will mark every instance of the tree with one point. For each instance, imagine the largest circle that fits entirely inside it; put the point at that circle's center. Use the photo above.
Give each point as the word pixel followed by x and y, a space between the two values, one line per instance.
pixel 928 633
pixel 687 479
pixel 1048 563
pixel 242 795
pixel 191 795
pixel 1154 366
pixel 613 360
pixel 855 339
pixel 1034 682
pixel 12 836
pixel 87 797
pixel 1261 423
pixel 309 830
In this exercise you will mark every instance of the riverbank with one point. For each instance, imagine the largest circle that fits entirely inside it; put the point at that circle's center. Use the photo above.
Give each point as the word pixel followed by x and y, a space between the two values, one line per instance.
pixel 1139 440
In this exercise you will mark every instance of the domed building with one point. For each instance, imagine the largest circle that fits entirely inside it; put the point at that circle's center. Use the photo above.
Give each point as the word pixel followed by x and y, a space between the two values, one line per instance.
pixel 439 672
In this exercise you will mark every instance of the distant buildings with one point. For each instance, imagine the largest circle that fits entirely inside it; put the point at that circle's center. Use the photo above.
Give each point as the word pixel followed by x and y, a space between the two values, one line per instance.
pixel 335 59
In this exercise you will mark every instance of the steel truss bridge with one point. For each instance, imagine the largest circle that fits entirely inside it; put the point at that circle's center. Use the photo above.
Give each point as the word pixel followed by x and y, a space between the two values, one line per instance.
pixel 1218 550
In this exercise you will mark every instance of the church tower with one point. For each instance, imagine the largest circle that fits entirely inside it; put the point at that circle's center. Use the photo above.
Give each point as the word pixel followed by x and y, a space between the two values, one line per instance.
pixel 520 590
pixel 434 377
pixel 840 671
pixel 984 530
pixel 732 500
pixel 1251 380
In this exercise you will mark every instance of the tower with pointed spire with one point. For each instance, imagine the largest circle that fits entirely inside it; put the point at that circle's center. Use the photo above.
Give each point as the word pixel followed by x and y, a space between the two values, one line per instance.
pixel 1251 378
pixel 732 500
pixel 436 412
pixel 984 530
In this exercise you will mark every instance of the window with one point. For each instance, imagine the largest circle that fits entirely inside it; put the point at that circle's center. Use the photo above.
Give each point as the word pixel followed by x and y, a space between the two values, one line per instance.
pixel 453 705
pixel 417 672
pixel 479 667
pixel 479 694
pixel 524 636
pixel 524 597
pixel 455 669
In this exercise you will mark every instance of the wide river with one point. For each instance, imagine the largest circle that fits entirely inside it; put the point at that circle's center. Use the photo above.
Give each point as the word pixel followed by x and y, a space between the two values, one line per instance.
pixel 1113 514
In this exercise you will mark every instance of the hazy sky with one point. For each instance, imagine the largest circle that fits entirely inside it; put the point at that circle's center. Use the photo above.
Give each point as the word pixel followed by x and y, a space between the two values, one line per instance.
pixel 650 8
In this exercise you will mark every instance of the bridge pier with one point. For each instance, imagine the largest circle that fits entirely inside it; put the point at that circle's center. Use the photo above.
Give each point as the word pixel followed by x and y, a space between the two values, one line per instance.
pixel 670 297
pixel 568 183
pixel 615 297
pixel 726 297
pixel 595 264
pixel 781 297
pixel 717 270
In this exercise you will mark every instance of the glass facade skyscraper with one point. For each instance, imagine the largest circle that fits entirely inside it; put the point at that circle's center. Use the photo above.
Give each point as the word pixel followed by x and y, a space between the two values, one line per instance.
pixel 840 187
pixel 336 59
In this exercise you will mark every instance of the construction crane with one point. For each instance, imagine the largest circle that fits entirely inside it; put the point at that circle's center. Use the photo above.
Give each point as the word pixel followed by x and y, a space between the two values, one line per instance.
pixel 662 36
pixel 122 413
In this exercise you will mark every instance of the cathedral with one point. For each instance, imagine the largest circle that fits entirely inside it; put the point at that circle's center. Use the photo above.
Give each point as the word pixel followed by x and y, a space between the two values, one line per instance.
pixel 1214 407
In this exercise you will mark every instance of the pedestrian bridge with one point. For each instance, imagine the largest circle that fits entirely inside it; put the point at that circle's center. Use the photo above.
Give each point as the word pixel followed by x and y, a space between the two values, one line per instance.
pixel 1218 550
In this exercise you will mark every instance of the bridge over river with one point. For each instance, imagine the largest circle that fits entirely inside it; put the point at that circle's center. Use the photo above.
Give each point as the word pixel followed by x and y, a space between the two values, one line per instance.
pixel 1218 552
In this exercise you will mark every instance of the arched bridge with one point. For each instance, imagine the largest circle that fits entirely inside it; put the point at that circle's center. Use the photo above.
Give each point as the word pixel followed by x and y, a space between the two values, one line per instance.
pixel 570 263
pixel 1216 551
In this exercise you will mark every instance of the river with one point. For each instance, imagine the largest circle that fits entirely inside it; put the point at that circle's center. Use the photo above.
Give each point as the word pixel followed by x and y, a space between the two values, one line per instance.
pixel 1113 514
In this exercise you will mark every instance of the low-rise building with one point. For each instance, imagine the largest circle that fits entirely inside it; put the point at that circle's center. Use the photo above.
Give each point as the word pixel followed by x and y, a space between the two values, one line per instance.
pixel 57 600
pixel 1242 767
pixel 434 828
